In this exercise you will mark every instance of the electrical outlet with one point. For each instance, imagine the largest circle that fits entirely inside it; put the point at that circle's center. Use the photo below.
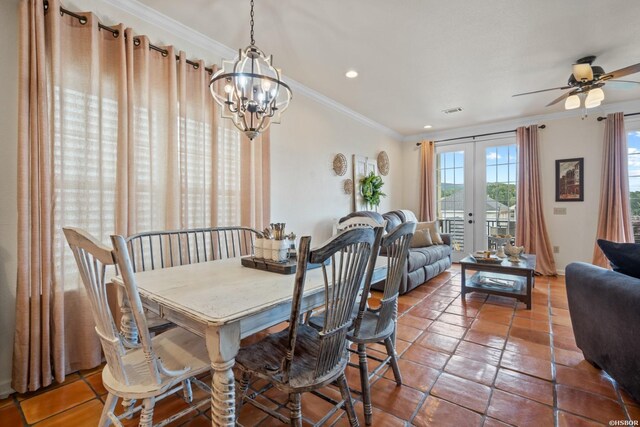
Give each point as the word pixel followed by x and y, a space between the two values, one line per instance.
pixel 559 211
pixel 556 249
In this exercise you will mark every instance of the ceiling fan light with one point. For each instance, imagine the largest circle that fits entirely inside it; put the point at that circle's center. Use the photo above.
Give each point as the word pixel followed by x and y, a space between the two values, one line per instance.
pixel 596 94
pixel 582 72
pixel 572 102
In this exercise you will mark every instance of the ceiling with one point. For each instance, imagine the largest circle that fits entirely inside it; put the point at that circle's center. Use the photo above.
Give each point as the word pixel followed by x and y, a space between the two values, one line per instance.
pixel 418 57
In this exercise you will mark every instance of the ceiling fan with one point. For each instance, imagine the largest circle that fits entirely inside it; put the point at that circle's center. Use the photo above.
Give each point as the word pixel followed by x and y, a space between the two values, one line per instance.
pixel 586 82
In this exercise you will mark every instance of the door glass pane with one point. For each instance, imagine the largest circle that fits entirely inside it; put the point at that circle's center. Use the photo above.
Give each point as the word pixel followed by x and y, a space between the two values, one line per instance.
pixel 451 203
pixel 500 206
pixel 633 140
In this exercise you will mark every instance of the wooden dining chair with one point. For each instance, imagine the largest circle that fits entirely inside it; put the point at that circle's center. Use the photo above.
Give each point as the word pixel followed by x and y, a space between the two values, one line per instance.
pixel 360 221
pixel 300 358
pixel 379 325
pixel 158 366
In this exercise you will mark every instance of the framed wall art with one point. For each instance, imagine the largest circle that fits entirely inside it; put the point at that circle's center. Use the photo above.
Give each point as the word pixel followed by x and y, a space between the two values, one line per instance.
pixel 570 180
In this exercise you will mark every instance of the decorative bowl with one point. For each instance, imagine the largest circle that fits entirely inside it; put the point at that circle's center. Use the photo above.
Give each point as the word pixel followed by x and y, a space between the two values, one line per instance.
pixel 513 251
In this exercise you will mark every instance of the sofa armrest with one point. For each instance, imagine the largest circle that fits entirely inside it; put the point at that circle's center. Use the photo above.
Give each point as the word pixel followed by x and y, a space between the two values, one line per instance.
pixel 446 238
pixel 603 306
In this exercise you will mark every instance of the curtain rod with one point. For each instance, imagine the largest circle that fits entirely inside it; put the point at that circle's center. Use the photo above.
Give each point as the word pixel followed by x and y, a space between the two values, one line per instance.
pixel 116 33
pixel 626 115
pixel 477 136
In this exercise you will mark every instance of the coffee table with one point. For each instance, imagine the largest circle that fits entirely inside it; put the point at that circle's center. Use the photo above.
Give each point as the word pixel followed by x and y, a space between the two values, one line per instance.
pixel 507 279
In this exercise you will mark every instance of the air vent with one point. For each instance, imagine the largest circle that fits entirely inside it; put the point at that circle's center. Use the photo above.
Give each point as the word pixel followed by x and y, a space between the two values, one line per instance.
pixel 452 110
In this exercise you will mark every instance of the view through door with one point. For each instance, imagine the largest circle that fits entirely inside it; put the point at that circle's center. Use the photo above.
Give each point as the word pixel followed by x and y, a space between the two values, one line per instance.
pixel 476 193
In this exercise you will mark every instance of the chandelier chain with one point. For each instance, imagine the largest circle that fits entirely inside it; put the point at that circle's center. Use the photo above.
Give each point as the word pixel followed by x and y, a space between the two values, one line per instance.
pixel 253 42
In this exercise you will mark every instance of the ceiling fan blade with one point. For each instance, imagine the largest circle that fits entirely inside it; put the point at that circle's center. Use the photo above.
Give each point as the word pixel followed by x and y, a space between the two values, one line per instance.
pixel 622 84
pixel 562 97
pixel 631 69
pixel 543 90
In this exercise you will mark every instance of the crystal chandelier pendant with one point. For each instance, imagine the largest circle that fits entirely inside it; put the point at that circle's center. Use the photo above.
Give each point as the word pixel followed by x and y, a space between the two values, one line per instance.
pixel 250 90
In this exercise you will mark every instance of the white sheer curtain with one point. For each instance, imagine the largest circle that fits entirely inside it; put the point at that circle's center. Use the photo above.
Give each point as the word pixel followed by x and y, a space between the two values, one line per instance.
pixel 114 138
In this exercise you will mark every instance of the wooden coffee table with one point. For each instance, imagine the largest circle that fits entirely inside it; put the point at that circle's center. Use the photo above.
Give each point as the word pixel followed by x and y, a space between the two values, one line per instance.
pixel 507 279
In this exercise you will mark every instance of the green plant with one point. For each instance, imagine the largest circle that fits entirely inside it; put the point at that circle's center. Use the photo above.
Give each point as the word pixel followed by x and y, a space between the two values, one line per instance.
pixel 371 189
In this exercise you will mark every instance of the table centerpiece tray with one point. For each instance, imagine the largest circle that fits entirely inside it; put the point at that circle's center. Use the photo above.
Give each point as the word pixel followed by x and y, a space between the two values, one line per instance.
pixel 287 267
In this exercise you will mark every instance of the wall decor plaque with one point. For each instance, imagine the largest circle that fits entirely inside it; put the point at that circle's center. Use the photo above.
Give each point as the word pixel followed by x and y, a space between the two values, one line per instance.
pixel 340 164
pixel 383 163
pixel 347 185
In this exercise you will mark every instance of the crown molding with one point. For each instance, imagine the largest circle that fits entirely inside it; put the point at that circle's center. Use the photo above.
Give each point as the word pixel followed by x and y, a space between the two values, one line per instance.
pixel 188 34
pixel 603 110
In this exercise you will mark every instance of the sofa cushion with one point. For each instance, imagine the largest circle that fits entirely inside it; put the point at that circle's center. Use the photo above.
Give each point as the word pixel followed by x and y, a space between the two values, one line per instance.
pixel 421 239
pixel 419 257
pixel 624 257
pixel 432 227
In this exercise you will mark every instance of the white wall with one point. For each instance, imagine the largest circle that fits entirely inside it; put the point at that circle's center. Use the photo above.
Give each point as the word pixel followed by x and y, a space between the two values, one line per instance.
pixel 306 194
pixel 8 183
pixel 564 137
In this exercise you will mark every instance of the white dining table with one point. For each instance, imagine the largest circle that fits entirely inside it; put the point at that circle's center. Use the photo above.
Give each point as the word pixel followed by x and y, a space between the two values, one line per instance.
pixel 223 302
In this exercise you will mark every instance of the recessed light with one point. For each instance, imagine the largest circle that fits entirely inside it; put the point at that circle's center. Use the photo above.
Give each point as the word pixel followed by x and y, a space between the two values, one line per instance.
pixel 351 74
pixel 428 126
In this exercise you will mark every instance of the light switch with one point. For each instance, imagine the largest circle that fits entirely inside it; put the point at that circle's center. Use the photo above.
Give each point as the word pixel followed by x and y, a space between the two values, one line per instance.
pixel 559 211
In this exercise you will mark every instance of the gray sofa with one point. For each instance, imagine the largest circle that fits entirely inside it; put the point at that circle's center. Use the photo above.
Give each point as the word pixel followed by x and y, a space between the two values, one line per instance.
pixel 605 313
pixel 423 264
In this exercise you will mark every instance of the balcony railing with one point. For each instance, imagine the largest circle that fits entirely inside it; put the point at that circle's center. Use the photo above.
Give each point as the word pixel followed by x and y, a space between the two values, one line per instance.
pixel 455 227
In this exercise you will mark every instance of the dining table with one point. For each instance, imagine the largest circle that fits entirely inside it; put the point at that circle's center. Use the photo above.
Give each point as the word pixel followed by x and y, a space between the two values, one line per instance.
pixel 224 302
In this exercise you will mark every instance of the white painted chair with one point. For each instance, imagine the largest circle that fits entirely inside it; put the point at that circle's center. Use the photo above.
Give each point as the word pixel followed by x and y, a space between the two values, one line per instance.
pixel 158 366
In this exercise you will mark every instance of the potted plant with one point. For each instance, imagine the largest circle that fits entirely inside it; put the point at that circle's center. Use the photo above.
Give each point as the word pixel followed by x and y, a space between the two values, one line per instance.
pixel 371 190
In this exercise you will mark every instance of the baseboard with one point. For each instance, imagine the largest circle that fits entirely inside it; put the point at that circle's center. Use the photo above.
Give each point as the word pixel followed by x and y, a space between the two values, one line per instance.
pixel 5 388
pixel 560 272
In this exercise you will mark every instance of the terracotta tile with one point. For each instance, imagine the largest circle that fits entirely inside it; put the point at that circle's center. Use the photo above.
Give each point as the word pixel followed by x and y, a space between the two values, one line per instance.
pixel 95 381
pixel 6 402
pixel 425 356
pixel 380 418
pixel 491 422
pixel 85 414
pixel 473 370
pixel 568 357
pixel 438 342
pixel 528 348
pixel 462 310
pixel 527 365
pixel 566 343
pixel 425 312
pixel 634 412
pixel 463 392
pixel 484 338
pixel 87 372
pixel 532 315
pixel 589 405
pixel 164 409
pixel 563 331
pixel 591 381
pixel 490 327
pixel 627 398
pixel 454 319
pixel 414 321
pixel 67 380
pixel 409 300
pixel 414 375
pixel 199 421
pixel 314 407
pixel 10 416
pixel 438 412
pixel 519 411
pixel 251 415
pixel 407 333
pixel 525 386
pixel 56 400
pixel 479 352
pixel 398 401
pixel 561 320
pixel 530 335
pixel 447 329
pixel 566 419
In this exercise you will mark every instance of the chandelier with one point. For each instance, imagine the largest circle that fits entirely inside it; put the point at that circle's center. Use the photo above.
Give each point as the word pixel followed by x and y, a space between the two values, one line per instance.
pixel 250 90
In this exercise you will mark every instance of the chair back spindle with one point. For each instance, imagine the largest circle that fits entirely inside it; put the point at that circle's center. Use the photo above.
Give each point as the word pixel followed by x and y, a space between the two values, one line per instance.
pixel 396 246
pixel 349 252
pixel 161 249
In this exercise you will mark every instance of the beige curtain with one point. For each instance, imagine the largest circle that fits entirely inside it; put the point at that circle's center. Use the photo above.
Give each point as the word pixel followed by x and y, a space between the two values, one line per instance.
pixel 614 218
pixel 531 229
pixel 113 137
pixel 427 181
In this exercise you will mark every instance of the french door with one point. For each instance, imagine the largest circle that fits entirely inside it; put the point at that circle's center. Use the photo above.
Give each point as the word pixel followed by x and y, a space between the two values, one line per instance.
pixel 476 192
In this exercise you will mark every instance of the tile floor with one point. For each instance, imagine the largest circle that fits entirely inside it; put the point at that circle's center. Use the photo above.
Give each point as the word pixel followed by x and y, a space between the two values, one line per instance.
pixel 486 361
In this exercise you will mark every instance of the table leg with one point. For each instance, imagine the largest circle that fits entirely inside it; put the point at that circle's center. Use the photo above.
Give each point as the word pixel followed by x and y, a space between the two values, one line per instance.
pixel 529 284
pixel 223 343
pixel 463 289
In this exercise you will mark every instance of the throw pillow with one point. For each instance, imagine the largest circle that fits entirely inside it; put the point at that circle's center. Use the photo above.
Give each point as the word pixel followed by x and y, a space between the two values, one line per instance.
pixel 624 257
pixel 421 239
pixel 433 231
